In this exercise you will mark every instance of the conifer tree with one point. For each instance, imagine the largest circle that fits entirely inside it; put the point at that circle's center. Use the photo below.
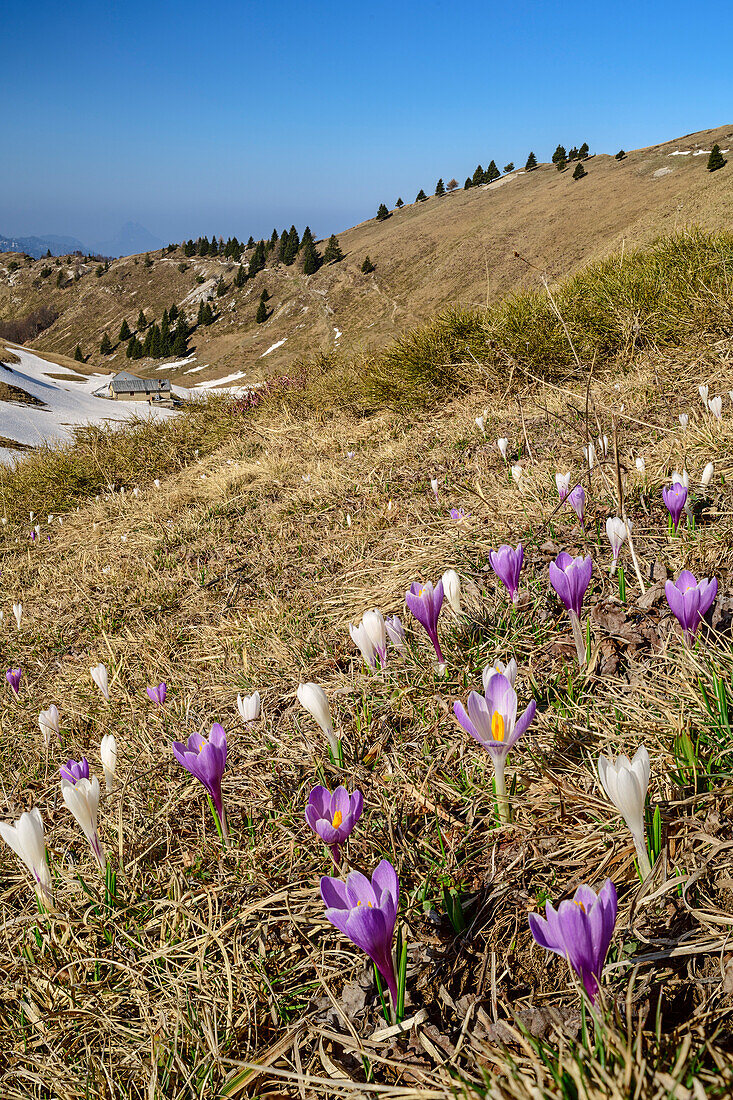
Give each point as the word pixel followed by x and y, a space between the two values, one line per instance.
pixel 311 257
pixel 382 213
pixel 240 278
pixel 203 246
pixel 180 342
pixel 148 261
pixel 142 322
pixel 716 159
pixel 367 267
pixel 78 355
pixel 209 316
pixel 421 196
pixel 165 320
pixel 257 259
pixel 261 314
pixel 173 312
pixel 492 172
pixel 620 155
pixel 272 243
pixel 440 188
pixel 189 248
pixel 251 241
pixel 106 346
pixel 213 247
pixel 293 245
pixel 468 184
pixel 399 204
pixel 452 184
pixel 509 167
pixel 221 287
pixel 573 154
pixel 200 315
pixel 584 151
pixel 559 154
pixel 333 251
pixel 155 342
pixel 130 347
pixel 579 171
pixel 265 295
pixel 478 175
pixel 307 236
pixel 561 164
pixel 125 333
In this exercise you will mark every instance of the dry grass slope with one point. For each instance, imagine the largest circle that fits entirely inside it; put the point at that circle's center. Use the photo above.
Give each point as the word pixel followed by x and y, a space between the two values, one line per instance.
pixel 213 973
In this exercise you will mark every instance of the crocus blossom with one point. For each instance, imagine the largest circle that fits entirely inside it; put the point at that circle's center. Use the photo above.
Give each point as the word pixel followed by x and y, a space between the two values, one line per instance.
pixel 27 841
pixel 507 564
pixel 82 798
pixel 425 603
pixel 641 465
pixel 684 420
pixel 333 816
pixel 313 698
pixel 617 531
pixel 562 481
pixel 517 472
pixel 626 783
pixel 580 930
pixel 434 487
pixel 690 600
pixel 491 720
pixel 576 500
pixel 481 424
pixel 589 453
pixel 503 445
pixel 366 913
pixel 18 612
pixel 499 668
pixel 48 720
pixel 206 759
pixel 74 770
pixel 707 475
pixel 395 632
pixel 99 675
pixel 108 754
pixel 13 676
pixel 570 578
pixel 249 707
pixel 674 497
pixel 452 589
pixel 157 694
pixel 715 404
pixel 703 391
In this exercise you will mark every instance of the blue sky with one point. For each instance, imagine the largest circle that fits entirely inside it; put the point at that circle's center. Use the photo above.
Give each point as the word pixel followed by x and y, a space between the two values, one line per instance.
pixel 236 117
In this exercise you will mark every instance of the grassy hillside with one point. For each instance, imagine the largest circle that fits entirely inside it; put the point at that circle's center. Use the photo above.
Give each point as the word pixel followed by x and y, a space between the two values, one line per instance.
pixel 212 972
pixel 455 250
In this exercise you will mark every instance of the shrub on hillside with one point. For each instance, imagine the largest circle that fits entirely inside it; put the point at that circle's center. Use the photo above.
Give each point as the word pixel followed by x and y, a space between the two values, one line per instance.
pixel 716 159
pixel 382 213
pixel 579 171
pixel 367 267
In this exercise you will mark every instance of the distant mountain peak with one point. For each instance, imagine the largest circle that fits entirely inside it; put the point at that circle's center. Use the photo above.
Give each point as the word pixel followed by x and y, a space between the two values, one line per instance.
pixel 130 239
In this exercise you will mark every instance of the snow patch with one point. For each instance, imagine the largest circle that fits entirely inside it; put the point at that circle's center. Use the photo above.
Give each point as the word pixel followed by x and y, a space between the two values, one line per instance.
pixel 213 382
pixel 273 347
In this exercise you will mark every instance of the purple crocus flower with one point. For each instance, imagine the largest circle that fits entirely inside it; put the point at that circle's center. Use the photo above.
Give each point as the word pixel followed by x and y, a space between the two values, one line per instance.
pixel 333 816
pixel 492 720
pixel 13 676
pixel 576 500
pixel 507 564
pixel 206 760
pixel 675 497
pixel 425 603
pixel 581 931
pixel 458 515
pixel 690 600
pixel 157 694
pixel 570 577
pixel 73 771
pixel 366 913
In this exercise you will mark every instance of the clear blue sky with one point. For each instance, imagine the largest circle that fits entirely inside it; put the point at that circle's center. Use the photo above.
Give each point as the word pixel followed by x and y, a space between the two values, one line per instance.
pixel 234 117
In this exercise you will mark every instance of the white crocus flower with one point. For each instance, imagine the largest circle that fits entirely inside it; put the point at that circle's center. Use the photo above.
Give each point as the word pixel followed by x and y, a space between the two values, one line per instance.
pixel 156 483
pixel 641 465
pixel 517 472
pixel 562 481
pixel 617 531
pixel 481 424
pixel 365 645
pixel 626 783
pixel 509 670
pixel 707 475
pixel 18 612
pixel 376 628
pixel 452 589
pixel 249 707
pixel 48 720
pixel 703 391
pixel 82 798
pixel 590 455
pixel 108 753
pixel 684 420
pixel 503 445
pixel 603 445
pixel 314 699
pixel 681 478
pixel 715 404
pixel 99 675
pixel 27 841
pixel 434 486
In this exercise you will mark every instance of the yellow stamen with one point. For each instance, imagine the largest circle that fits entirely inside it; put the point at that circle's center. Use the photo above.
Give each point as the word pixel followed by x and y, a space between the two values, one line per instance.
pixel 497 726
pixel 580 905
pixel 360 902
pixel 338 817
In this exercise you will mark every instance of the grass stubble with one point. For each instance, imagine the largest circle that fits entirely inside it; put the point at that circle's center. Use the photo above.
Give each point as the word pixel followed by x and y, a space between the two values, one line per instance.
pixel 214 973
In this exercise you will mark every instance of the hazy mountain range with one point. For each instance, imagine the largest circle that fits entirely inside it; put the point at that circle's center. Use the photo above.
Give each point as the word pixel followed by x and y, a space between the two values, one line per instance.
pixel 128 241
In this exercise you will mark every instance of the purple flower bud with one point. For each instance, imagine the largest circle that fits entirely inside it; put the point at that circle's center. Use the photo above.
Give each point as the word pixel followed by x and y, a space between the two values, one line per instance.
pixel 157 694
pixel 581 931
pixel 576 500
pixel 570 577
pixel 206 760
pixel 675 497
pixel 425 603
pixel 507 564
pixel 690 600
pixel 73 771
pixel 366 913
pixel 13 676
pixel 333 816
